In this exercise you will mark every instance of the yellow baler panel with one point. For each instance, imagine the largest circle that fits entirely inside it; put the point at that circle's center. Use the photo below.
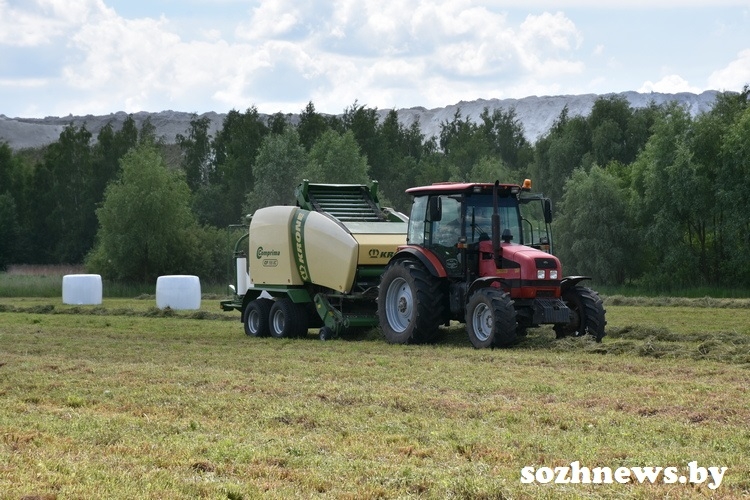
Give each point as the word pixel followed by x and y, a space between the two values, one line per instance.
pixel 270 247
pixel 377 249
pixel 292 246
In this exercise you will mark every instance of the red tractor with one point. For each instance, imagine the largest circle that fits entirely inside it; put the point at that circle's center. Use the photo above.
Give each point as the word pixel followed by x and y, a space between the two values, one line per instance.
pixel 472 256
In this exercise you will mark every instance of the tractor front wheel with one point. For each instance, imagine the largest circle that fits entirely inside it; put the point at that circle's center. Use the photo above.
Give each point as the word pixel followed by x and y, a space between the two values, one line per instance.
pixel 490 319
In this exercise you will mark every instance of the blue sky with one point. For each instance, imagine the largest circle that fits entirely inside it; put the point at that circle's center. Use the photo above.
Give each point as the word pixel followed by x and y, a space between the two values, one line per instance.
pixel 61 57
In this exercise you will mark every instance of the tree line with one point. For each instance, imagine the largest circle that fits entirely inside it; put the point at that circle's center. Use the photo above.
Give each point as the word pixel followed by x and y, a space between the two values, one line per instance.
pixel 652 195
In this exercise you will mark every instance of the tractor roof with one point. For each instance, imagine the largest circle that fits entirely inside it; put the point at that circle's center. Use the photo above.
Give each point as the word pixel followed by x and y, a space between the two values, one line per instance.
pixel 461 187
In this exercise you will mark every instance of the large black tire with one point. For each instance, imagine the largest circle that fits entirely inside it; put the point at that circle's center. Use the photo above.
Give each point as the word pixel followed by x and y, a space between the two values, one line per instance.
pixel 410 303
pixel 287 319
pixel 490 319
pixel 256 317
pixel 587 314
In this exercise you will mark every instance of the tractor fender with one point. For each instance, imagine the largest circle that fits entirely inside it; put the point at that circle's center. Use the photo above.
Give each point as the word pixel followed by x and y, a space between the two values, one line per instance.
pixel 429 259
pixel 571 281
pixel 483 283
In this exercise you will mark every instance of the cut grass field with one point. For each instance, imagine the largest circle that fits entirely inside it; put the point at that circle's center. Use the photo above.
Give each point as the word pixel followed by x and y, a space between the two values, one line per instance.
pixel 125 401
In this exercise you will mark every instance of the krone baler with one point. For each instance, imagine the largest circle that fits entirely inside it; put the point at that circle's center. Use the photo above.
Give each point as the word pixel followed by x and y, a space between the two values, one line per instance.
pixel 315 264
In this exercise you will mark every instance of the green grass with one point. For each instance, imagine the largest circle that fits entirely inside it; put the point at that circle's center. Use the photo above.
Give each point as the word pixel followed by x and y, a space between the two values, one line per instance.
pixel 50 285
pixel 125 401
pixel 13 285
pixel 693 292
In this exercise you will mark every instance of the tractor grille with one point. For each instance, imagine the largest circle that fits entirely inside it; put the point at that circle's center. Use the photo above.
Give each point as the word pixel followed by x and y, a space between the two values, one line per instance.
pixel 546 263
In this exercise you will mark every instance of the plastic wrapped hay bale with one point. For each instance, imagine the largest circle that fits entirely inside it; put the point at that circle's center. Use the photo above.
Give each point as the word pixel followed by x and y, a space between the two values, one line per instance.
pixel 178 292
pixel 82 289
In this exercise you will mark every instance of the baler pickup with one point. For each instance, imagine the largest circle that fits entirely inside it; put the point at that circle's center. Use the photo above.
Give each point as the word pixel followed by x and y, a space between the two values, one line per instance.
pixel 347 203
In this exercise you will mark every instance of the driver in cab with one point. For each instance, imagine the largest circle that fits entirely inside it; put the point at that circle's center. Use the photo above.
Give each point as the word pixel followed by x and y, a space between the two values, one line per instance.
pixel 449 228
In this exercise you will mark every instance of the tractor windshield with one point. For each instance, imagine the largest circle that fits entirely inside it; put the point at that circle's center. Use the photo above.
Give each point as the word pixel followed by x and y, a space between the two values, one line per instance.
pixel 479 217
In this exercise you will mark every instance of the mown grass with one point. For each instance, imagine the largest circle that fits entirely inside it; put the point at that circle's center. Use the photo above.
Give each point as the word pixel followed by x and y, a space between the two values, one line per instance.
pixel 125 401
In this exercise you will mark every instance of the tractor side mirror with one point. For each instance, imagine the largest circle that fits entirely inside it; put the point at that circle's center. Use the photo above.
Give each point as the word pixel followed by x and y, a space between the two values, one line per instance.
pixel 434 209
pixel 547 211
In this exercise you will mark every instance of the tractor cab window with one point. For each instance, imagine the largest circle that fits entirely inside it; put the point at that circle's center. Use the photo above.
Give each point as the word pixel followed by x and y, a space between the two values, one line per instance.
pixel 447 230
pixel 416 235
pixel 435 220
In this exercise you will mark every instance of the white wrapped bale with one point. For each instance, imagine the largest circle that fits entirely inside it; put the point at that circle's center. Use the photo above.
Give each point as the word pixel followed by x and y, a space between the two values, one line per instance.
pixel 82 289
pixel 178 292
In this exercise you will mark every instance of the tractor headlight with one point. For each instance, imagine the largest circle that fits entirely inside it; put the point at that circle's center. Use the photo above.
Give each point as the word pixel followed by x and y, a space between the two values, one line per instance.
pixel 553 274
pixel 540 274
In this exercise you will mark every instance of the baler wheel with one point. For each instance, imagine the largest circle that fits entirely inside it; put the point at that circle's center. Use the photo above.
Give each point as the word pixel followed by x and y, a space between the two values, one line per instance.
pixel 325 333
pixel 287 319
pixel 257 316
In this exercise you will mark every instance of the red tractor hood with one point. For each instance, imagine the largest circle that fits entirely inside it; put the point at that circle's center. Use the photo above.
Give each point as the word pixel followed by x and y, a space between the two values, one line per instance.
pixel 515 251
pixel 530 259
pixel 520 260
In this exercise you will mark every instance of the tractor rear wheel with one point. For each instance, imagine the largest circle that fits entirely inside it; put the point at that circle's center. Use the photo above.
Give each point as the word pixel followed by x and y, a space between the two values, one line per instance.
pixel 256 317
pixel 587 314
pixel 410 303
pixel 490 318
pixel 287 319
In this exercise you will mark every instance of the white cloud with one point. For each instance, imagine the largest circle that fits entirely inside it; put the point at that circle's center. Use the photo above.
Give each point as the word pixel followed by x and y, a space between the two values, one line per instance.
pixel 270 19
pixel 401 53
pixel 23 83
pixel 134 64
pixel 39 22
pixel 213 35
pixel 281 54
pixel 618 4
pixel 670 84
pixel 733 77
pixel 389 54
pixel 545 41
pixel 552 31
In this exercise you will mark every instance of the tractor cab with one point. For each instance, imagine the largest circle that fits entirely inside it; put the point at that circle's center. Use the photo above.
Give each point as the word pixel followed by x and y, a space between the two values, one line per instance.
pixel 453 220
